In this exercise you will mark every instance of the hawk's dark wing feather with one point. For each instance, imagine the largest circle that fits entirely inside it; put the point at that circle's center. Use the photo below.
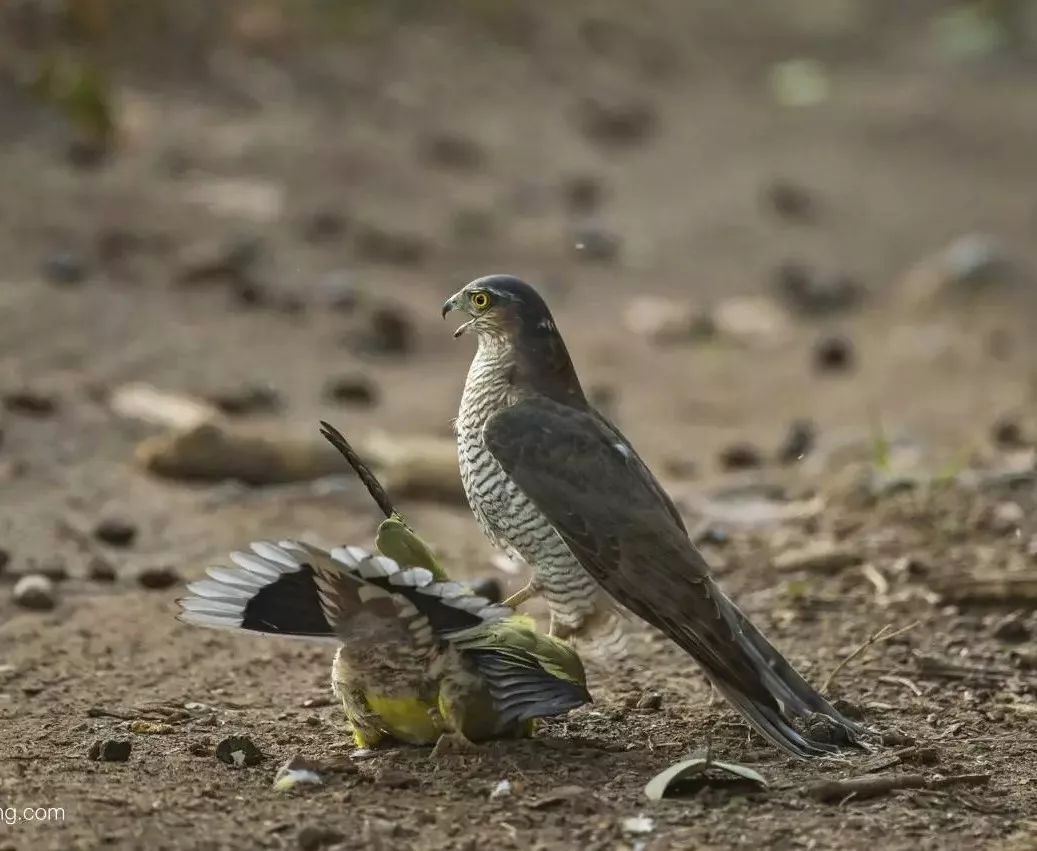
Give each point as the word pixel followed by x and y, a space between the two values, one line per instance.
pixel 608 508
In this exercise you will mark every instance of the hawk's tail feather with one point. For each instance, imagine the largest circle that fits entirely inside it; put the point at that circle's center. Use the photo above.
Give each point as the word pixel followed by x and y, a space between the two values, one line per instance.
pixel 764 687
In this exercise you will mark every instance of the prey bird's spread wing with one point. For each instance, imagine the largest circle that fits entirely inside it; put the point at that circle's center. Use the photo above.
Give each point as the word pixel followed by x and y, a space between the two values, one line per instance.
pixel 608 508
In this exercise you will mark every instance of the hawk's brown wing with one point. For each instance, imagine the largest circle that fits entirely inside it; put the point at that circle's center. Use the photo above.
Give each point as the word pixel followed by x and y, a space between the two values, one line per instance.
pixel 602 500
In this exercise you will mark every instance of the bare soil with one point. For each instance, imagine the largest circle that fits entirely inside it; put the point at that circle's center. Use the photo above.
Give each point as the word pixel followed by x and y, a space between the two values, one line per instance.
pixel 271 140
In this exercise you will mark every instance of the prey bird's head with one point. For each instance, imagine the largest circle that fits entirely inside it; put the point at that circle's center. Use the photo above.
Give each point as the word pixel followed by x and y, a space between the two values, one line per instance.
pixel 501 306
pixel 504 310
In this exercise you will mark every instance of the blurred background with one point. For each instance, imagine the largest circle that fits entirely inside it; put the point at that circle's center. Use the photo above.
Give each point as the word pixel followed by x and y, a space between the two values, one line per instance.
pixel 792 246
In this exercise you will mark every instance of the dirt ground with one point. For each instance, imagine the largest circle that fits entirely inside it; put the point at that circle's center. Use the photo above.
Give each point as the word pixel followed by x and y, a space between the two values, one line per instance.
pixel 394 167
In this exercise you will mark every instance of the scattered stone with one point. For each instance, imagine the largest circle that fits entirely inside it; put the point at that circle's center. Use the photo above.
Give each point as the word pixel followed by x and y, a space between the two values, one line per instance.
pixel 388 331
pixel 712 536
pixel 971 265
pixel 1006 518
pixel 116 531
pixel 754 320
pixel 351 390
pixel 101 570
pixel 896 739
pixel 314 837
pixel 798 443
pixel 833 354
pixel 231 260
pixel 807 295
pixel 912 567
pixel 394 778
pixel 851 710
pixel 640 825
pixel 158 577
pixel 148 404
pixel 817 557
pixel 490 588
pixel 501 790
pixel 246 399
pixel 380 245
pixel 650 701
pixel 65 268
pixel 618 122
pixel 740 456
pixel 30 402
pixel 298 771
pixel 1007 433
pixel 665 321
pixel 110 750
pixel 322 226
pixel 790 201
pixel 34 591
pixel 338 291
pixel 200 748
pixel 451 151
pixel 596 244
pixel 583 194
pixel 238 752
pixel 1011 629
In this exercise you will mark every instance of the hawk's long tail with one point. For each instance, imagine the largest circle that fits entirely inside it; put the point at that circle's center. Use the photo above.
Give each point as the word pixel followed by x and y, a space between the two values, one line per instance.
pixel 764 687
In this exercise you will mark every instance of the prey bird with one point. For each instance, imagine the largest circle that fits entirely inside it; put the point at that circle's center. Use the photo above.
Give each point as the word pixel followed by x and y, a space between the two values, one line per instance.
pixel 420 659
pixel 552 481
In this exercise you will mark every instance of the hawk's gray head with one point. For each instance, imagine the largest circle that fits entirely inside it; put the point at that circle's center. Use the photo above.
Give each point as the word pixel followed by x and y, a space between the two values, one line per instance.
pixel 504 309
pixel 502 306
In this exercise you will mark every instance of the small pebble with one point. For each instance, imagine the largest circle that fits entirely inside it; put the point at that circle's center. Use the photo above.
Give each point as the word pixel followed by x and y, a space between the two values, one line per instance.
pixel 322 226
pixel 807 295
pixel 389 331
pixel 65 268
pixel 849 709
pixel 833 354
pixel 451 151
pixel 34 591
pixel 30 402
pixel 246 399
pixel 351 390
pixel 238 751
pixel 1007 433
pixel 798 443
pixel 101 570
pixel 227 259
pixel 314 837
pixel 650 701
pixel 1006 518
pixel 665 321
pixel 110 750
pixel 394 778
pixel 1011 629
pixel 740 456
pixel 115 531
pixel 789 201
pixel 617 122
pixel 157 577
pixel 583 194
pixel 53 567
pixel 501 790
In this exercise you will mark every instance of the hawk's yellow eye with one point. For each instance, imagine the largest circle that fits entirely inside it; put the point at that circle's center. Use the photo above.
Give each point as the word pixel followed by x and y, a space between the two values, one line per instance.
pixel 480 301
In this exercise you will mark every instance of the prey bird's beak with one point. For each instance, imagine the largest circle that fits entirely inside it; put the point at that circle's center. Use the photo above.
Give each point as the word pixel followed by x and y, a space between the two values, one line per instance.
pixel 454 303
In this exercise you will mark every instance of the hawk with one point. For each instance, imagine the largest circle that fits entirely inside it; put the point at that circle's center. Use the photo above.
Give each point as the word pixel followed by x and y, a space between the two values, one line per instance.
pixel 552 481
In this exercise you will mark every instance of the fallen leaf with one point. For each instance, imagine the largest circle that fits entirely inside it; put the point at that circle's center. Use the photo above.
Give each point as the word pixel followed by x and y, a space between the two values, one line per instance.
pixel 695 768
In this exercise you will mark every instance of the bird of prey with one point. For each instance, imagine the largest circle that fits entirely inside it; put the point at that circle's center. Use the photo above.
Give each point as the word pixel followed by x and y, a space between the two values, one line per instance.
pixel 553 481
pixel 420 659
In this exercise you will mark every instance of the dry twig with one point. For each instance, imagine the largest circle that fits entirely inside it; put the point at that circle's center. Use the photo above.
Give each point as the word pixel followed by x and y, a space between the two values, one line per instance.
pixel 882 635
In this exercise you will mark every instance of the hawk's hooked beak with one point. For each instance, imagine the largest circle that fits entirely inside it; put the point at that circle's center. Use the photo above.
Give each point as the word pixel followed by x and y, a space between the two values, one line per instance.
pixel 455 302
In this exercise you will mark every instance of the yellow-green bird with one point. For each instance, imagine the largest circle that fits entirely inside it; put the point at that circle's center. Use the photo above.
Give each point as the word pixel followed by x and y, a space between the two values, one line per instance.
pixel 420 657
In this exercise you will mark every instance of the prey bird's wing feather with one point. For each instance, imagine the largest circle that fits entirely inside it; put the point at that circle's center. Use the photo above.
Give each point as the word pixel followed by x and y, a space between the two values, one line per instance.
pixel 598 495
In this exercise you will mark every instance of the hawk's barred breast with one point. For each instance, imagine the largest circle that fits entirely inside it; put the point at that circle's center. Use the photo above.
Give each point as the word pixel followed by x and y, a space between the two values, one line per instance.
pixel 506 516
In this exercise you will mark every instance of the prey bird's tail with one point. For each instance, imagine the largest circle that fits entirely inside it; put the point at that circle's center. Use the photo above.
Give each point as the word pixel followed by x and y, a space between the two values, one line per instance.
pixel 764 687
